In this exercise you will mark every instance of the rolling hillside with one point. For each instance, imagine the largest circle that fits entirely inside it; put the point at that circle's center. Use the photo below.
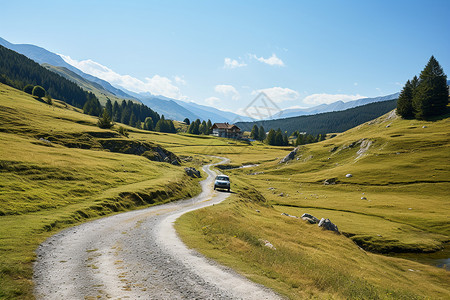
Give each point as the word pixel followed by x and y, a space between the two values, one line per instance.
pixel 384 184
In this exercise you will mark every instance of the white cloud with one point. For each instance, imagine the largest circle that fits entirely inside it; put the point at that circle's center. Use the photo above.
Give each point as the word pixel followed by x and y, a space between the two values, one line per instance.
pixel 232 63
pixel 279 94
pixel 227 90
pixel 212 101
pixel 272 61
pixel 180 80
pixel 156 85
pixel 317 99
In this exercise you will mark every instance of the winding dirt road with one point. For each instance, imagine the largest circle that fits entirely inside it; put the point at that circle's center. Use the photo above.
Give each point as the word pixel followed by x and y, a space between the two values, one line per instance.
pixel 137 255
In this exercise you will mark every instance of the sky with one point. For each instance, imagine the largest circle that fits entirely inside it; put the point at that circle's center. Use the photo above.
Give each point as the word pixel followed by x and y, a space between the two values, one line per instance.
pixel 224 53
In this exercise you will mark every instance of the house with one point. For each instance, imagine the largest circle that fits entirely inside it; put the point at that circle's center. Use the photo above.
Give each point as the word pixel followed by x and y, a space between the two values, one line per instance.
pixel 226 130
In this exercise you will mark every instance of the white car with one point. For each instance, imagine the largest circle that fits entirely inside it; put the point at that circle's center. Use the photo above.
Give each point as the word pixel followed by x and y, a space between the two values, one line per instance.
pixel 222 182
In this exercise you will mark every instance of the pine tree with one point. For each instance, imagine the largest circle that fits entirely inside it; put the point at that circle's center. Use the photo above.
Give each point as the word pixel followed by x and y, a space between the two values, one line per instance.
pixel 404 103
pixel 105 121
pixel 270 139
pixel 209 125
pixel 109 107
pixel 203 129
pixel 278 138
pixel 187 121
pixel 254 134
pixel 262 133
pixel 431 96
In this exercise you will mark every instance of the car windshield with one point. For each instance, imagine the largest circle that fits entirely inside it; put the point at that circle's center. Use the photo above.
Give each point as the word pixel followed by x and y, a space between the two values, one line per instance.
pixel 222 178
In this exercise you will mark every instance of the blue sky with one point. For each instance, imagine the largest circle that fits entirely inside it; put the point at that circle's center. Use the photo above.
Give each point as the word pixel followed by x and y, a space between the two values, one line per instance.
pixel 222 53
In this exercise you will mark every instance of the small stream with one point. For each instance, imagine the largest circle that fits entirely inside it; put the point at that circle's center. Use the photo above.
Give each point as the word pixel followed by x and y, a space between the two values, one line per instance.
pixel 440 259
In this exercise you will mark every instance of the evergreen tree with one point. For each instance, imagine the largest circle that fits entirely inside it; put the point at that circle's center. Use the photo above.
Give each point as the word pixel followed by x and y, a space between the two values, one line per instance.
pixel 262 133
pixel 203 129
pixel 109 107
pixel 187 121
pixel 105 121
pixel 209 125
pixel 285 140
pixel 431 96
pixel 92 106
pixel 171 127
pixel 38 91
pixel 270 139
pixel 133 120
pixel 254 134
pixel 116 112
pixel 404 103
pixel 278 138
pixel 126 115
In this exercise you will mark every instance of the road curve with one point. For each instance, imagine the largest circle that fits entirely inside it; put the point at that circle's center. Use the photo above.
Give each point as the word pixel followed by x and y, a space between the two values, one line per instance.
pixel 137 255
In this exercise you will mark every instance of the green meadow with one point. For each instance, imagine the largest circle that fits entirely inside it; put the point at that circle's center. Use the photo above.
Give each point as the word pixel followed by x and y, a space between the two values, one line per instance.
pixel 55 174
pixel 396 200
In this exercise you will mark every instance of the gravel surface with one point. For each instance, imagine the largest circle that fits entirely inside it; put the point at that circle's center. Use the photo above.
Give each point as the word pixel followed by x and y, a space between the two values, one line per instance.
pixel 137 255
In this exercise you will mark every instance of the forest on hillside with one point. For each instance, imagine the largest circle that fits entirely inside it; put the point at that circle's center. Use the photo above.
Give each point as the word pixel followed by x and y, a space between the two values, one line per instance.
pixel 18 71
pixel 338 121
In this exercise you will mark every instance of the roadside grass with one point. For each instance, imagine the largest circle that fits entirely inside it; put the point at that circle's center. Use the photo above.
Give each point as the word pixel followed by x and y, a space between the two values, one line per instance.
pixel 395 201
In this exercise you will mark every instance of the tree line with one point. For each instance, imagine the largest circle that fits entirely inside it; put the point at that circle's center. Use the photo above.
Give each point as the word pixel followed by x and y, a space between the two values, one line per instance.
pixel 199 127
pixel 18 71
pixel 330 122
pixel 22 73
pixel 425 96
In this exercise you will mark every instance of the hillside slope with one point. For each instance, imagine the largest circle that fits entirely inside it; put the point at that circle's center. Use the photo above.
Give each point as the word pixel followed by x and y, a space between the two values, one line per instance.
pixel 58 168
pixel 384 184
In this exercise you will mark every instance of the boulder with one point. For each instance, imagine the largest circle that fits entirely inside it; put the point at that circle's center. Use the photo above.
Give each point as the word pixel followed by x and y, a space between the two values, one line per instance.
pixel 192 172
pixel 328 225
pixel 290 156
pixel 310 218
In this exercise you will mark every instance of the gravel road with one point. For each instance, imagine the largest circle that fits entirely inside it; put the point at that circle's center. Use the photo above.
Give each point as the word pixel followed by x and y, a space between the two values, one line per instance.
pixel 137 255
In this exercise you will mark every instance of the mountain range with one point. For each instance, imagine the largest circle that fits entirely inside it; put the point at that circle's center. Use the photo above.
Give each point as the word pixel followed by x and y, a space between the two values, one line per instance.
pixel 170 108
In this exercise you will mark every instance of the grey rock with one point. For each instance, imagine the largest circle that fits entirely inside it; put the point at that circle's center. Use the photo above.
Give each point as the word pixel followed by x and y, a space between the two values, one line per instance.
pixel 310 218
pixel 328 225
pixel 192 172
pixel 290 156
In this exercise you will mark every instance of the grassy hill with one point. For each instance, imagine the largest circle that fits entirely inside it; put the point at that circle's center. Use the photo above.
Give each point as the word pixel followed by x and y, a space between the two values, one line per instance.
pixel 395 201
pixel 57 169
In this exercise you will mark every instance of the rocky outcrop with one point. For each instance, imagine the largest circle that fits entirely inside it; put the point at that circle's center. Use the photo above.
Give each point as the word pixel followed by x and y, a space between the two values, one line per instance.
pixel 192 172
pixel 290 156
pixel 328 225
pixel 310 218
